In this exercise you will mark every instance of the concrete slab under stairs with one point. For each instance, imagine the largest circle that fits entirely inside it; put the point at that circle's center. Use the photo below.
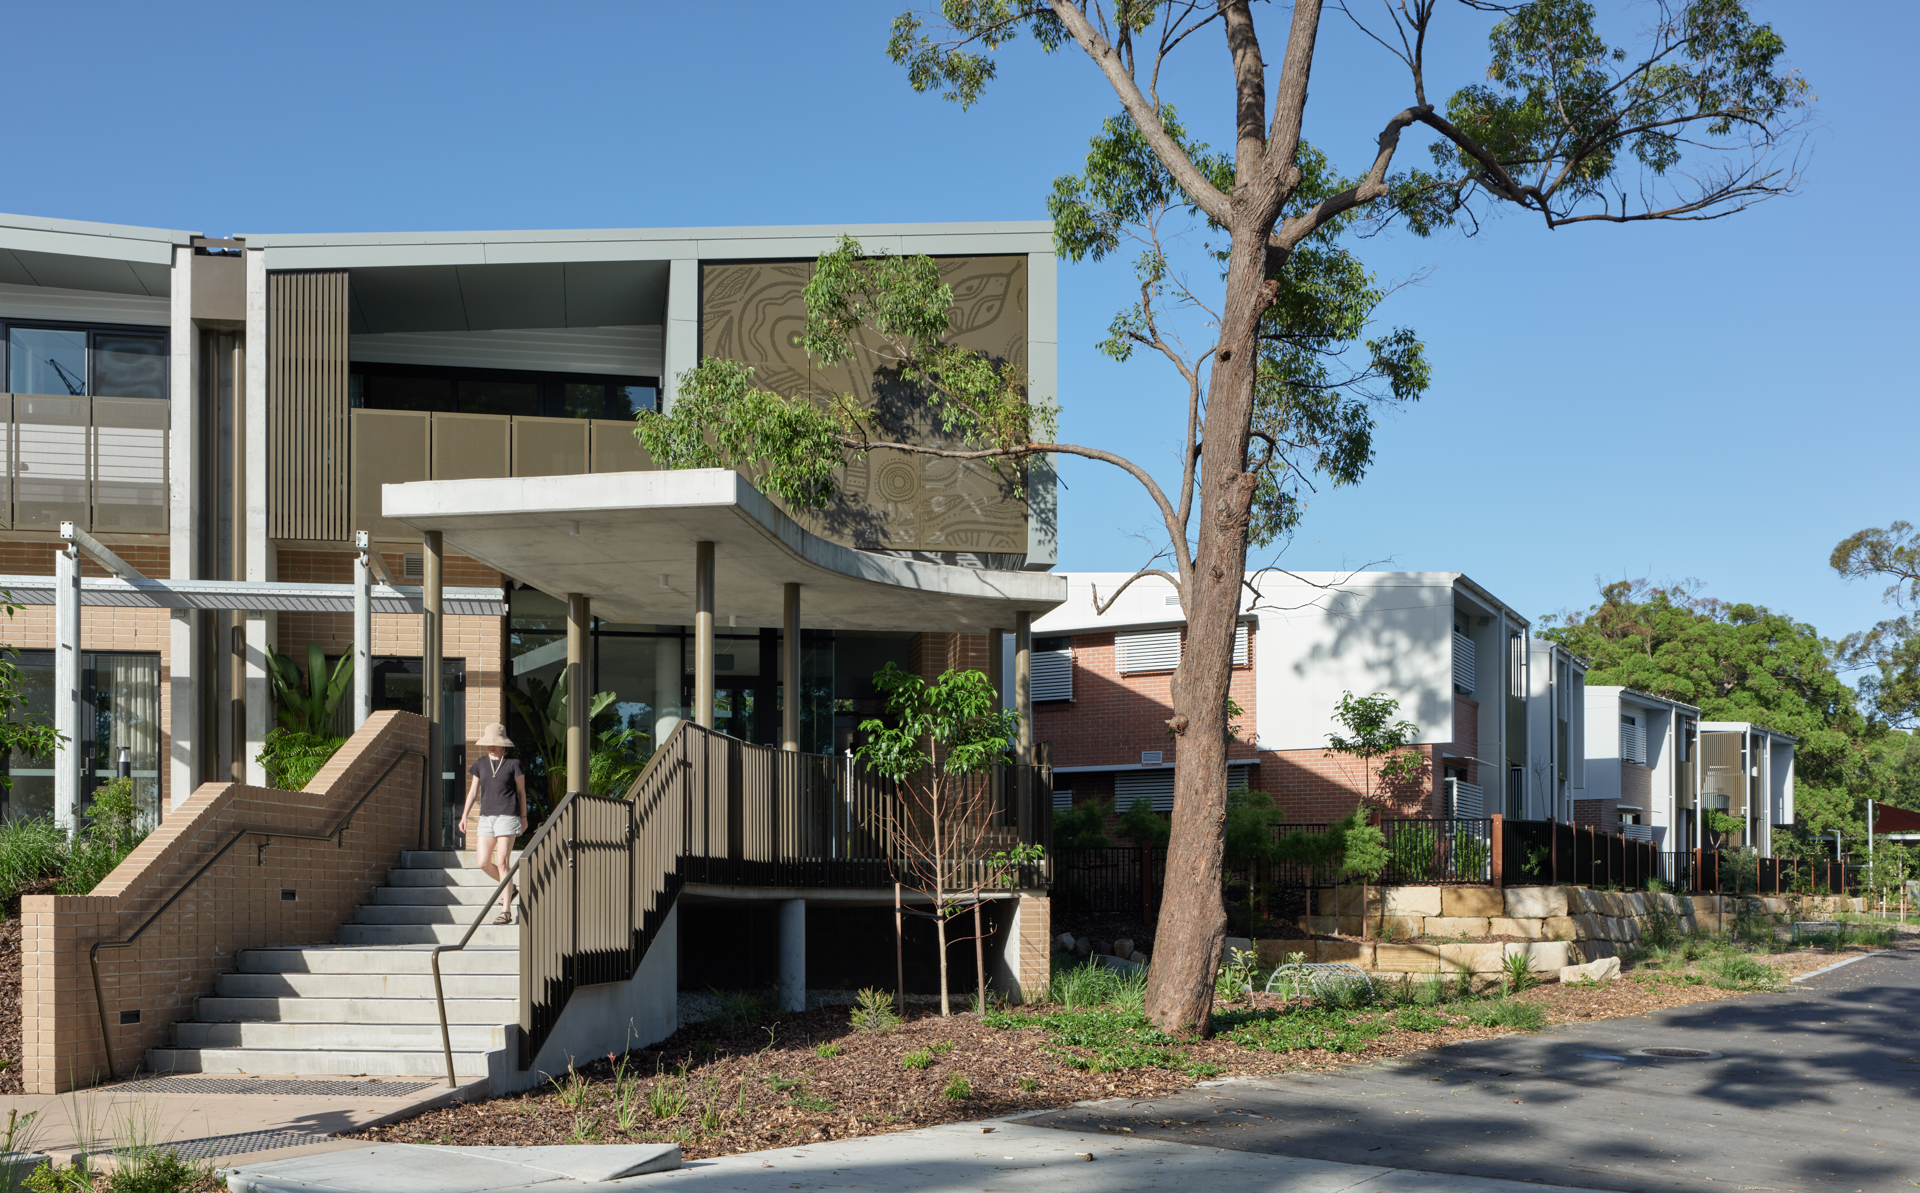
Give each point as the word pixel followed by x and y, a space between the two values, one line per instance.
pixel 364 1004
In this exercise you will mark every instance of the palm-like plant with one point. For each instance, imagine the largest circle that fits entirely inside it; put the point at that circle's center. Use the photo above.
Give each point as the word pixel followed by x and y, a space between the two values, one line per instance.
pixel 544 709
pixel 307 703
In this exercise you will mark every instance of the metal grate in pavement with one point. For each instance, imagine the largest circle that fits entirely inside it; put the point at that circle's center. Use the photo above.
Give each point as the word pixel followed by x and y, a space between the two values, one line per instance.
pixel 299 1087
pixel 234 1145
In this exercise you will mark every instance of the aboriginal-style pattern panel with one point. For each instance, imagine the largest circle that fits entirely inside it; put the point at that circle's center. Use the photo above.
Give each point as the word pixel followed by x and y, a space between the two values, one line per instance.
pixel 961 512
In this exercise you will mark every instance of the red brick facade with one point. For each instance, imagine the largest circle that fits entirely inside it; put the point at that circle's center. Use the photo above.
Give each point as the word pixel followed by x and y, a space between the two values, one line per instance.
pixel 1113 717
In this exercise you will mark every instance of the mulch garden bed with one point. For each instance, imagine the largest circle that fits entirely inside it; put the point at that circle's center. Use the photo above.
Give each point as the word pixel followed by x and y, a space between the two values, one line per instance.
pixel 811 1077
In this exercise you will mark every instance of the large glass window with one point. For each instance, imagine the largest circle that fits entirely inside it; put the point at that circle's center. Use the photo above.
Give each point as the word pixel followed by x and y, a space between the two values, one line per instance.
pixel 120 696
pixel 377 386
pixel 78 361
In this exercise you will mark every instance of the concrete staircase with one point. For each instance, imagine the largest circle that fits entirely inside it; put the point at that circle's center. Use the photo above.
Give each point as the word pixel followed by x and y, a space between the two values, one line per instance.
pixel 364 1005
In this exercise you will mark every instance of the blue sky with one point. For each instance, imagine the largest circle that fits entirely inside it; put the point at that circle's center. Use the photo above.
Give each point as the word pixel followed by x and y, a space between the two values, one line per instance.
pixel 1721 401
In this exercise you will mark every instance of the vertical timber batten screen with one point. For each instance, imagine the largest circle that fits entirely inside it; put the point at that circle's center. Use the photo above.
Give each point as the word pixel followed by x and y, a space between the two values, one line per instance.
pixel 307 404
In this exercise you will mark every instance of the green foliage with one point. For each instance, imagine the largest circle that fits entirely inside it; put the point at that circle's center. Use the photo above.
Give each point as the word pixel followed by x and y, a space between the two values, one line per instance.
pixel 1090 985
pixel 114 826
pixel 873 1012
pixel 736 1011
pixel 1737 971
pixel 1299 1028
pixel 1083 825
pixel 958 1088
pixel 1890 651
pixel 292 757
pixel 307 704
pixel 1737 662
pixel 1365 847
pixel 1235 980
pixel 1517 972
pixel 1371 732
pixel 1140 824
pixel 1248 831
pixel 920 1058
pixel 1499 1012
pixel 616 760
pixel 1415 851
pixel 893 311
pixel 544 709
pixel 953 727
pixel 32 850
pixel 828 1051
pixel 1419 1019
pixel 1105 1039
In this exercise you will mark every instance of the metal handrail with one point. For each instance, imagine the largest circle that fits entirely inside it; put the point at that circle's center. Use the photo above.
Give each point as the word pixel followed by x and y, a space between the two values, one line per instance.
pixel 439 994
pixel 338 835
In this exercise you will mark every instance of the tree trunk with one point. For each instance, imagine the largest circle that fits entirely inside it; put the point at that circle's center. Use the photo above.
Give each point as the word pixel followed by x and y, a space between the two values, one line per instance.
pixel 1193 917
pixel 940 931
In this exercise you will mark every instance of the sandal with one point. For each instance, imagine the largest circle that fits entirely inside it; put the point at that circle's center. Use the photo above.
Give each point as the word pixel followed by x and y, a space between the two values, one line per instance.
pixel 504 918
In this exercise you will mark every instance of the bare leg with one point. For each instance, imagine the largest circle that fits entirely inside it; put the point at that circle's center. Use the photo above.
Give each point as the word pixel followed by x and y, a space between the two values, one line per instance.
pixel 483 854
pixel 502 858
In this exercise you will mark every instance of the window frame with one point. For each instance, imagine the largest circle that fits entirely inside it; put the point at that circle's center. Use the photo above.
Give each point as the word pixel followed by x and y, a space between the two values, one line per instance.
pixel 551 385
pixel 158 330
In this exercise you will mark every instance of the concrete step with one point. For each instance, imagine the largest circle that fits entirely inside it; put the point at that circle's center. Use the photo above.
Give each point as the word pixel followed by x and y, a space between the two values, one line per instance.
pixel 225 1009
pixel 363 1037
pixel 376 959
pixel 432 896
pixel 411 987
pixel 440 878
pixel 434 859
pixel 506 936
pixel 421 913
pixel 315 1063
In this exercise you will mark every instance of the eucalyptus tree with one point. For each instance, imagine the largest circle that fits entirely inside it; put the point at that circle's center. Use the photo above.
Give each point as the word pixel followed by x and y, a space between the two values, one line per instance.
pixel 1698 120
pixel 1890 651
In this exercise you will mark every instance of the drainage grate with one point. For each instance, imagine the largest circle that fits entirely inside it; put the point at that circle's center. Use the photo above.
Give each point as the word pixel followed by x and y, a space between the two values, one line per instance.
pixel 298 1088
pixel 236 1145
pixel 1677 1053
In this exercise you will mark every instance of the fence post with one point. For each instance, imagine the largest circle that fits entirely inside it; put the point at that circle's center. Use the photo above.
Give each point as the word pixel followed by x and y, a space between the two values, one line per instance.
pixel 1497 839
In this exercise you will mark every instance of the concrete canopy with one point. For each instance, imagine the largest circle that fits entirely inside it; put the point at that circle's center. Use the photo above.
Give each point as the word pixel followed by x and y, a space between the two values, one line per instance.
pixel 627 540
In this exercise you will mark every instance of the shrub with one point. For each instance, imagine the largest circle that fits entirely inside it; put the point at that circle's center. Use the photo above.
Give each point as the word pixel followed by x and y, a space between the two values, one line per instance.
pixel 828 1051
pixel 114 827
pixel 918 1059
pixel 958 1087
pixel 1520 1016
pixel 1662 930
pixel 1416 852
pixel 1090 985
pixel 1299 1028
pixel 292 757
pixel 1736 971
pixel 1419 1019
pixel 1517 972
pixel 873 1012
pixel 31 851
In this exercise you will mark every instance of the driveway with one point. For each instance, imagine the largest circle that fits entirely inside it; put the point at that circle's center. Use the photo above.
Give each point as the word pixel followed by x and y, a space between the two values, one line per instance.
pixel 1816 1087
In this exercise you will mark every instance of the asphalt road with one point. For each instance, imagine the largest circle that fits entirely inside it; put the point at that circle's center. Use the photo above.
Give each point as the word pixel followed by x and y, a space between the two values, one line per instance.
pixel 1817 1087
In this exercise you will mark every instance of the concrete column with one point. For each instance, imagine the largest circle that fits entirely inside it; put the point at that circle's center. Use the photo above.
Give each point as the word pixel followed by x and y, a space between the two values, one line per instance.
pixel 430 702
pixel 681 346
pixel 790 668
pixel 997 666
pixel 67 759
pixel 668 675
pixel 183 682
pixel 362 631
pixel 703 634
pixel 1023 706
pixel 793 954
pixel 259 633
pixel 579 697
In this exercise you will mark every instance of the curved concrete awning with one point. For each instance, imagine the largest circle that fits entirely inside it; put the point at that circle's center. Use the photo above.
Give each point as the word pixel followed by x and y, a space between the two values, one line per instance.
pixel 626 539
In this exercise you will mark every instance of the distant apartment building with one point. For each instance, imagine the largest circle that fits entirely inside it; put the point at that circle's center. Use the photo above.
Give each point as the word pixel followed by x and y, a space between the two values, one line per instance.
pixel 1496 718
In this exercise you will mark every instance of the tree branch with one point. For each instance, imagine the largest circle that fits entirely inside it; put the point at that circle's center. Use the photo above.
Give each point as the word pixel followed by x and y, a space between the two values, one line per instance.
pixel 1145 116
pixel 1100 609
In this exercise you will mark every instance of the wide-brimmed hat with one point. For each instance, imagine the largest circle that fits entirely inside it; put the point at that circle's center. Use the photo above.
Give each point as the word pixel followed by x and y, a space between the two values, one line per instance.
pixel 495 735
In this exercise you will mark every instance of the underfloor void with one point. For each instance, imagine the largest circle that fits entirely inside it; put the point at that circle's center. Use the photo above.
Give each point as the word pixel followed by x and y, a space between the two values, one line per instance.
pixel 736 940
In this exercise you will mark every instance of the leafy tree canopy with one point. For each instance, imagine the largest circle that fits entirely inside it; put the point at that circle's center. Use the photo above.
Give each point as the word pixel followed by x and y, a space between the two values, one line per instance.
pixel 1889 653
pixel 1737 662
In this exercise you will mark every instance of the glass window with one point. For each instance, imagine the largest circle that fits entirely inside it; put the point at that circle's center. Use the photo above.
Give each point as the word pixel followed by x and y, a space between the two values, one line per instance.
pixel 122 708
pixel 46 360
pixel 409 393
pixel 625 401
pixel 499 397
pixel 129 365
pixel 581 399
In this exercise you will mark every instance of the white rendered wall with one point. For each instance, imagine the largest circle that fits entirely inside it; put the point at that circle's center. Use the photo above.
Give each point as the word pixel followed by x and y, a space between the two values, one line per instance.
pixel 1603 745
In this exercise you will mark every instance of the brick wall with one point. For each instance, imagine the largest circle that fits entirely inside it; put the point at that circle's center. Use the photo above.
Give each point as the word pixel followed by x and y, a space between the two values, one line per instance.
pixel 150 555
pixel 235 905
pixel 1112 717
pixel 1033 942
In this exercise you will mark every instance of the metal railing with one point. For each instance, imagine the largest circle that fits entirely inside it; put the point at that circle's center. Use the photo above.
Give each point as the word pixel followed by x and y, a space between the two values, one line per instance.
pixel 337 835
pixel 599 877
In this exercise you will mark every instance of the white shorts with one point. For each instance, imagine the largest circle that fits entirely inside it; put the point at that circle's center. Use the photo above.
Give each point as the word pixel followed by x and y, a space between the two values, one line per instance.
pixel 500 826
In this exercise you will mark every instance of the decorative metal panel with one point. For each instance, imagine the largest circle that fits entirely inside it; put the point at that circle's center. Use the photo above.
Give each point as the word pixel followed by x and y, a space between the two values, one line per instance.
pixel 890 501
pixel 308 430
pixel 51 436
pixel 613 447
pixel 470 446
pixel 549 446
pixel 1462 664
pixel 390 447
pixel 1147 650
pixel 130 465
pixel 1050 676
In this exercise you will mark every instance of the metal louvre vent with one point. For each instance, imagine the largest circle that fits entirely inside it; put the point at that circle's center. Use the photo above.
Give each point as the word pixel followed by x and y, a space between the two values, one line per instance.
pixel 1463 664
pixel 1154 786
pixel 1633 743
pixel 1051 675
pixel 1147 650
pixel 1062 799
pixel 1240 645
pixel 1465 799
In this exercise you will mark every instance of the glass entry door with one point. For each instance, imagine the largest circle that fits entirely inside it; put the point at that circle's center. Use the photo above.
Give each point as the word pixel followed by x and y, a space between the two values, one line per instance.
pixel 120 706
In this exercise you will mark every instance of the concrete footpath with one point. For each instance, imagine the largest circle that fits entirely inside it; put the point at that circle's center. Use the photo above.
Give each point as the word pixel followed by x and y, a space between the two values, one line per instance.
pixel 1002 1156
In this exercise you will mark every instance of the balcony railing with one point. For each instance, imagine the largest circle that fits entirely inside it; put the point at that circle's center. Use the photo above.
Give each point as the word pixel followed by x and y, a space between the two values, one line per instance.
pixel 100 463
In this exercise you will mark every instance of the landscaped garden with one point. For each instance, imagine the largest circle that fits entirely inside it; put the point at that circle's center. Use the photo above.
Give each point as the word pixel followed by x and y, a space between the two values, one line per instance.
pixel 747 1078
